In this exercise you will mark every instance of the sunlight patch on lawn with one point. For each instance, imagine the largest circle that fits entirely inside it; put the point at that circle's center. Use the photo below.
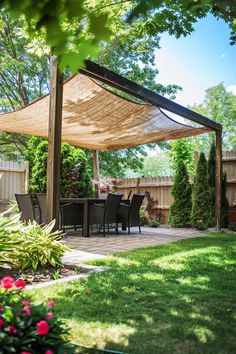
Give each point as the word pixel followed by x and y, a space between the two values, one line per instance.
pixel 121 261
pixel 201 281
pixel 97 334
pixel 154 276
pixel 178 261
pixel 203 334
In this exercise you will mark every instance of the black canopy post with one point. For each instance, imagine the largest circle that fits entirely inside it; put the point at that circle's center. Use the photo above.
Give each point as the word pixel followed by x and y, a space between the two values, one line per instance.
pixel 96 173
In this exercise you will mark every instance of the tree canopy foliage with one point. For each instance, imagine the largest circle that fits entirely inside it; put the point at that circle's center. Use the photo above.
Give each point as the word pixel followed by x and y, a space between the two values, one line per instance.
pixel 75 28
pixel 220 106
pixel 182 149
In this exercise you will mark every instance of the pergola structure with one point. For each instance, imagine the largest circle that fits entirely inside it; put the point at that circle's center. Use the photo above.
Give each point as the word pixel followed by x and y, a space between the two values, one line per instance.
pixel 85 112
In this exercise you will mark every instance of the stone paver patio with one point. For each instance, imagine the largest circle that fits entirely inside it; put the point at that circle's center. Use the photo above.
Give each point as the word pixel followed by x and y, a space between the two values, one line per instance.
pixel 97 246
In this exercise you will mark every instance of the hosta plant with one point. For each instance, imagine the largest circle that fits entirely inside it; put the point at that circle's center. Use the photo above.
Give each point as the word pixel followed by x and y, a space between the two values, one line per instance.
pixel 39 247
pixel 27 328
pixel 29 246
pixel 9 242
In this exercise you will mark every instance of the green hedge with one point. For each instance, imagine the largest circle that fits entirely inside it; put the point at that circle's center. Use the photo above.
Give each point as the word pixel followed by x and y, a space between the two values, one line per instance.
pixel 75 178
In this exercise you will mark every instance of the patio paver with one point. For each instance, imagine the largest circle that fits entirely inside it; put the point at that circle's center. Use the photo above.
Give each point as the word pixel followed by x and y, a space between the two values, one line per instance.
pixel 97 246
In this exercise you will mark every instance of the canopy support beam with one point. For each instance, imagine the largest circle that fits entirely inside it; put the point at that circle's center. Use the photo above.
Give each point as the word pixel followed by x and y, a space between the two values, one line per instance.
pixel 121 83
pixel 96 172
pixel 218 189
pixel 54 142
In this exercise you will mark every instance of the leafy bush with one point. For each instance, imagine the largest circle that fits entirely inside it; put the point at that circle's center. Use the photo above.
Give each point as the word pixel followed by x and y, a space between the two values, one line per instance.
pixel 154 223
pixel 39 247
pixel 180 210
pixel 71 158
pixel 29 246
pixel 201 210
pixel 143 216
pixel 28 328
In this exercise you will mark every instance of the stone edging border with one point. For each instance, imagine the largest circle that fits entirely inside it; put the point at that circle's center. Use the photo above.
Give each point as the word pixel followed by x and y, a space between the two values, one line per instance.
pixel 89 270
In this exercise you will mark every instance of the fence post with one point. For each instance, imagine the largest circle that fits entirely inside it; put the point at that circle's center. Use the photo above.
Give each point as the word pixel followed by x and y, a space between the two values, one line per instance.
pixel 26 185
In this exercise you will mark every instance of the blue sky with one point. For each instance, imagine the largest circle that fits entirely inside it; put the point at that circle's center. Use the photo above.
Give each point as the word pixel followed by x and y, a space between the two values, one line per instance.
pixel 198 61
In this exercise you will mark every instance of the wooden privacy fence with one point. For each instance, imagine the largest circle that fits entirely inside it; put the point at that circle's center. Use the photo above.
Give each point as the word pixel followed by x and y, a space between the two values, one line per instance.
pixel 160 187
pixel 14 178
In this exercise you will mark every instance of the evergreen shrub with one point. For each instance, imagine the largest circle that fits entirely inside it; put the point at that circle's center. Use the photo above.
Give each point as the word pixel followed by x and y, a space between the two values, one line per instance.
pixel 73 164
pixel 225 203
pixel 201 208
pixel 180 210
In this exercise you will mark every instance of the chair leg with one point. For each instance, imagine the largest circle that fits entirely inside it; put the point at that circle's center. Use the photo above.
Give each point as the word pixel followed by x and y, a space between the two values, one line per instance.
pixel 128 228
pixel 117 231
pixel 104 230
pixel 139 227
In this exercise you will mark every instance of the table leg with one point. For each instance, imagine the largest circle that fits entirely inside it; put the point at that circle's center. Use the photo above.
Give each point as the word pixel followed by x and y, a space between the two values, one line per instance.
pixel 86 218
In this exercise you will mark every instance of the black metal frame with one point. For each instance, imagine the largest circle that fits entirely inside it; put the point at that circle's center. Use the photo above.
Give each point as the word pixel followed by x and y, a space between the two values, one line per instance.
pixel 121 83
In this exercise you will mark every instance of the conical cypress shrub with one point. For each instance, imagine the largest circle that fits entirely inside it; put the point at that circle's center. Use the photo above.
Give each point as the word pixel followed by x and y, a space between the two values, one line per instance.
pixel 201 210
pixel 180 210
pixel 225 203
pixel 211 166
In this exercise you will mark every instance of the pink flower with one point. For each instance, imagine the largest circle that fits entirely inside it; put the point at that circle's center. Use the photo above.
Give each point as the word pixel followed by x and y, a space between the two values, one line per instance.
pixel 49 316
pixel 20 283
pixel 7 282
pixel 1 321
pixel 12 329
pixel 48 351
pixel 27 310
pixel 42 328
pixel 26 302
pixel 51 304
pixel 25 353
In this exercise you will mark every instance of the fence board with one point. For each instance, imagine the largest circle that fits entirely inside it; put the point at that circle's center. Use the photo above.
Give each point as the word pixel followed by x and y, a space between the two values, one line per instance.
pixel 13 179
pixel 160 187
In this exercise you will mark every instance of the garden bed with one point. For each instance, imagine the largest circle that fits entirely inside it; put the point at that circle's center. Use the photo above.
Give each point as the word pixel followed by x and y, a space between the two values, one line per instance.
pixel 48 276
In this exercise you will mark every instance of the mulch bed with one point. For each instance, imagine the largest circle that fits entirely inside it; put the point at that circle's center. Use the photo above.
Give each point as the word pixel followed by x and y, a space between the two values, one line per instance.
pixel 32 277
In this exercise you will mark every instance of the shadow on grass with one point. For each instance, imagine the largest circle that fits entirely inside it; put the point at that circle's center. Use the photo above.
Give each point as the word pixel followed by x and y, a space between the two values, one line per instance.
pixel 177 298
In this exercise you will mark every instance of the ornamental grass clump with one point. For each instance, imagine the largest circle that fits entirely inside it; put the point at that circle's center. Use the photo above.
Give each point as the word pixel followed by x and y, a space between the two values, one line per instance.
pixel 27 328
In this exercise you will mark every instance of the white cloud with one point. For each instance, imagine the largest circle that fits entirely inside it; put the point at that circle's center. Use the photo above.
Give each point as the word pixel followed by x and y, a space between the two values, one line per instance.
pixel 231 88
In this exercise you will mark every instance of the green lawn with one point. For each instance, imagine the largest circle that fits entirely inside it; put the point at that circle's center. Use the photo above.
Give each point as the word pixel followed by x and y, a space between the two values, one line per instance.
pixel 177 298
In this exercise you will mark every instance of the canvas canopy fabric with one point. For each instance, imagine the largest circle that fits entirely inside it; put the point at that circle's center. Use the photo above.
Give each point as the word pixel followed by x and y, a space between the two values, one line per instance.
pixel 95 118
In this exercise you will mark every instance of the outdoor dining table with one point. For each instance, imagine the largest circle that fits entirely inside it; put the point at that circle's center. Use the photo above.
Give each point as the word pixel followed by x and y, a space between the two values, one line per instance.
pixel 86 202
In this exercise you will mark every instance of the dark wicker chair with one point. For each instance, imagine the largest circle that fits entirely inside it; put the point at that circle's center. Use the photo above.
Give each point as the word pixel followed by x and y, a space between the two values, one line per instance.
pixel 103 215
pixel 29 211
pixel 71 215
pixel 128 215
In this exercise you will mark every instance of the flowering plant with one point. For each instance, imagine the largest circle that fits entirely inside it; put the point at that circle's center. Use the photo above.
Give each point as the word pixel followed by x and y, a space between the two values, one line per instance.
pixel 26 328
pixel 108 184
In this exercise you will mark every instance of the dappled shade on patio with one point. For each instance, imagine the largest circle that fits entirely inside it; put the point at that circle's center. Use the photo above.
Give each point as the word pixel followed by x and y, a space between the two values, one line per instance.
pixel 96 118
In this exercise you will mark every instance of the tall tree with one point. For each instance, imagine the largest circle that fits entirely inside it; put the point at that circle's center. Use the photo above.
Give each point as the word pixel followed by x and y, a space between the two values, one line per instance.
pixel 23 76
pixel 182 149
pixel 76 27
pixel 220 106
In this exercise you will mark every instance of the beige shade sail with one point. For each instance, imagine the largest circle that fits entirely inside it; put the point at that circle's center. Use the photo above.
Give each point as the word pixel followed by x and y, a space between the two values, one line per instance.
pixel 97 119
